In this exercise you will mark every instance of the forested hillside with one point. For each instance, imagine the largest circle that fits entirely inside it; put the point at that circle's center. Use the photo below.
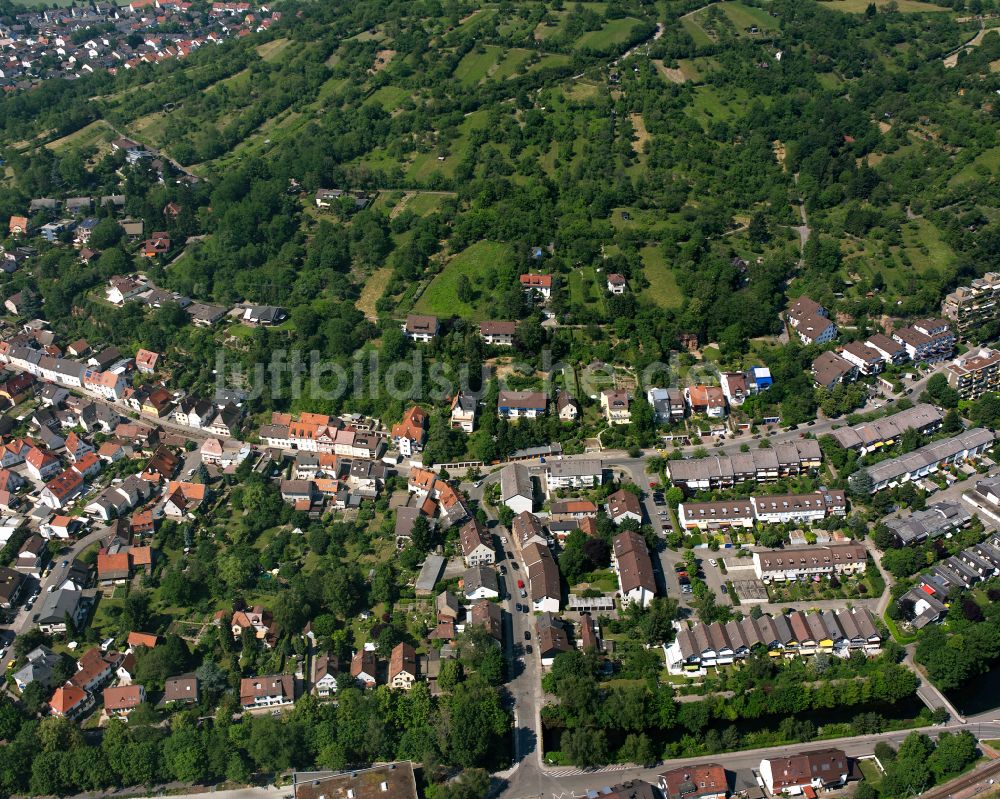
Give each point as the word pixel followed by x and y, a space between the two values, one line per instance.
pixel 502 135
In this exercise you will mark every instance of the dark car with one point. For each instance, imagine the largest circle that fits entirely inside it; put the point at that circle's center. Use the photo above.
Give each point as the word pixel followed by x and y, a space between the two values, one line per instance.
pixel 528 649
pixel 518 606
pixel 527 635
pixel 514 565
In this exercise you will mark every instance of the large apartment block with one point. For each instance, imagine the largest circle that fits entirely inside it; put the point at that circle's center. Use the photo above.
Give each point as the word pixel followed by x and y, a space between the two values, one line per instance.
pixel 973 305
pixel 975 373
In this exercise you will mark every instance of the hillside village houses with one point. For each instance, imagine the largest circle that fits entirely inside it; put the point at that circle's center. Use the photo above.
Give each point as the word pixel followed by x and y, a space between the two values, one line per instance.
pixel 421 329
pixel 498 334
pixel 409 434
pixel 615 406
pixel 811 321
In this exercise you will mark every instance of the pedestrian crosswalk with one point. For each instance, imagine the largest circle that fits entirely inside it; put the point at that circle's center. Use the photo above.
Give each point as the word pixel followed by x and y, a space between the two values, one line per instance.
pixel 573 771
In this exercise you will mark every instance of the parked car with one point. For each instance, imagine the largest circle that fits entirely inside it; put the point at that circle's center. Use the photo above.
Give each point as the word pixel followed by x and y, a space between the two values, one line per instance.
pixel 518 606
pixel 503 570
pixel 524 595
pixel 513 564
pixel 713 562
pixel 528 649
pixel 520 583
pixel 527 635
pixel 503 539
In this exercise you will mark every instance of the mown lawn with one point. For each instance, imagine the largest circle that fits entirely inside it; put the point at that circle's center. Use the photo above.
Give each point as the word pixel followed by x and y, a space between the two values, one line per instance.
pixel 441 296
pixel 697 33
pixel 475 65
pixel 663 289
pixel 615 32
pixel 743 17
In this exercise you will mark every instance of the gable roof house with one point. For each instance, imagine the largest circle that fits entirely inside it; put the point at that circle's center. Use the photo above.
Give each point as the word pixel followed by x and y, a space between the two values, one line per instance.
pixel 540 285
pixel 516 491
pixel 146 361
pixel 477 544
pixel 522 404
pixel 364 668
pixel 402 667
pixel 544 585
pixel 120 700
pixel 480 582
pixel 830 370
pixel 821 768
pixel 615 406
pixel 263 316
pixel 411 433
pixel 634 568
pixel 701 781
pixel 421 328
pixel 40 665
pixel 325 670
pixel 68 701
pixel 623 505
pixel 62 489
pixel 182 688
pixel 267 691
pixel 498 334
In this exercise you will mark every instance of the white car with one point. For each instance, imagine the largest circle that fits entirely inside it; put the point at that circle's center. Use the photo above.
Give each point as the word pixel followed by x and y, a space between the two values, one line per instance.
pixel 713 562
pixel 503 539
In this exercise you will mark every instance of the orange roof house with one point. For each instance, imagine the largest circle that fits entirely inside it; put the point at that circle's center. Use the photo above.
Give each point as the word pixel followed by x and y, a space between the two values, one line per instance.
pixel 18 225
pixel 67 700
pixel 147 640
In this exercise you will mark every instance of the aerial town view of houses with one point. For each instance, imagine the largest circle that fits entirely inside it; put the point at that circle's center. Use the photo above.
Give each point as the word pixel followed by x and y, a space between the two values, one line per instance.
pixel 471 399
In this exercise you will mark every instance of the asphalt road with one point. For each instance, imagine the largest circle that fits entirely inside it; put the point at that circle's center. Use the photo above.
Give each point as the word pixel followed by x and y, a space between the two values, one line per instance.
pixel 55 576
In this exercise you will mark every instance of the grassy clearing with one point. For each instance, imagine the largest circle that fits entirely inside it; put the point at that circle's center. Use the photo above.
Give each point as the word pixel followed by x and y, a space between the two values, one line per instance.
pixel 511 63
pixel 581 91
pixel 550 60
pixel 663 289
pixel 97 134
pixel 671 74
pixel 710 104
pixel 426 164
pixel 425 203
pixel 150 129
pixel 905 6
pixel 614 33
pixel 585 287
pixel 641 134
pixel 922 243
pixel 693 29
pixel 476 263
pixel 476 64
pixel 389 97
pixel 986 163
pixel 744 17
pixel 872 774
pixel 272 50
pixel 374 288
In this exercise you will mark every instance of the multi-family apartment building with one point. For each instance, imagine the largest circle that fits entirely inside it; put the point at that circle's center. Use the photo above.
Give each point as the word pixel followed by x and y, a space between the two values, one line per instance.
pixel 975 373
pixel 972 306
